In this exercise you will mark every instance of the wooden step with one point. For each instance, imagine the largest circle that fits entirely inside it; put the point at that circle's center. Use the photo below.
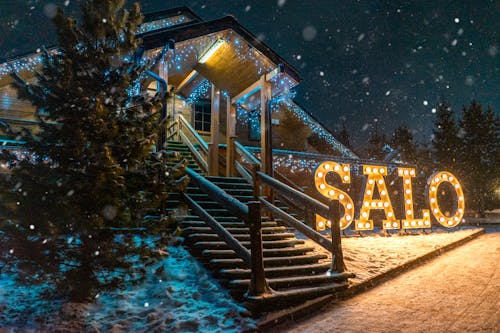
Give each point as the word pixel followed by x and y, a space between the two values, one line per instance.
pixel 270 262
pixel 270 272
pixel 214 179
pixel 233 230
pixel 295 281
pixel 274 244
pixel 199 237
pixel 280 252
pixel 230 224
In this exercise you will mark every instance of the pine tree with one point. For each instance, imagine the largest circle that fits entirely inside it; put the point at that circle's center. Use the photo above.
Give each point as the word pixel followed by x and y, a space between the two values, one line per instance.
pixel 402 141
pixel 343 137
pixel 479 156
pixel 376 142
pixel 91 167
pixel 445 139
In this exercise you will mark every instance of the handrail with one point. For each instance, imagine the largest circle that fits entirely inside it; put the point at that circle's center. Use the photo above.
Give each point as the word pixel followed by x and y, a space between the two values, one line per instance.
pixel 194 151
pixel 251 214
pixel 199 139
pixel 216 193
pixel 254 160
pixel 222 232
pixel 284 189
pixel 298 225
pixel 246 154
pixel 332 212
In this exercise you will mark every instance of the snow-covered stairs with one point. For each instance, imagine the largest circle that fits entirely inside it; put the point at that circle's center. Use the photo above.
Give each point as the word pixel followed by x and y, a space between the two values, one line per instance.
pixel 184 151
pixel 295 271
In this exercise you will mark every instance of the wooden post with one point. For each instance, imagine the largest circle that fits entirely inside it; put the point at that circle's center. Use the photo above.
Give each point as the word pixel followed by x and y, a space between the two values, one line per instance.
pixel 265 127
pixel 258 284
pixel 213 154
pixel 230 137
pixel 338 265
pixel 256 183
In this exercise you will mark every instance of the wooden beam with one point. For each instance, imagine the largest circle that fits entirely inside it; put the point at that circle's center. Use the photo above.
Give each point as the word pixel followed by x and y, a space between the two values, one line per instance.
pixel 213 154
pixel 254 87
pixel 186 80
pixel 230 137
pixel 265 127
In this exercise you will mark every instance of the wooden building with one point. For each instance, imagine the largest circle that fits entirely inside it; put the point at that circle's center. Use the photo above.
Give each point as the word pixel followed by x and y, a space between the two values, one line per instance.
pixel 221 78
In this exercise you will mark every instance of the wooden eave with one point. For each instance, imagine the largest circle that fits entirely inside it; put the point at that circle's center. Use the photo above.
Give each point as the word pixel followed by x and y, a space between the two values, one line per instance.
pixel 157 39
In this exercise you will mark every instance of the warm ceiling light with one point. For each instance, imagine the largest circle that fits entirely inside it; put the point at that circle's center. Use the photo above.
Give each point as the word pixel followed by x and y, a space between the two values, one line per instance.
pixel 211 50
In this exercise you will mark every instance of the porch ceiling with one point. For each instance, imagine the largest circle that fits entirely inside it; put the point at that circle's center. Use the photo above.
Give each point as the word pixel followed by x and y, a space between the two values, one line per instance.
pixel 233 67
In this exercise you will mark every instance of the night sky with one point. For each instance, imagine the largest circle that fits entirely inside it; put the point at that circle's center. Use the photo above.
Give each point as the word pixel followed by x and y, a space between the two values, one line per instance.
pixel 363 62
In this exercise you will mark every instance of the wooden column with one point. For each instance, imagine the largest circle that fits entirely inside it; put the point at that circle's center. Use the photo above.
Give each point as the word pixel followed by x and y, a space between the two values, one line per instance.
pixel 213 153
pixel 265 127
pixel 230 137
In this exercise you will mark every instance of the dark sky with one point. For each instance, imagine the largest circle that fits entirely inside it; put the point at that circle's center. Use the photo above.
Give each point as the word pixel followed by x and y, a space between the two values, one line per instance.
pixel 362 61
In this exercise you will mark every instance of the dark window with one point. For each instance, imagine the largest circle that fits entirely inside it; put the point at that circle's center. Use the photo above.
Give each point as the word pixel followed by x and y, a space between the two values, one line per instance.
pixel 202 116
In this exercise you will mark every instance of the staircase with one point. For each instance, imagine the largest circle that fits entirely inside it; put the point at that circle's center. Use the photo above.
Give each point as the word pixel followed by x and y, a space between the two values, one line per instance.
pixel 182 149
pixel 294 271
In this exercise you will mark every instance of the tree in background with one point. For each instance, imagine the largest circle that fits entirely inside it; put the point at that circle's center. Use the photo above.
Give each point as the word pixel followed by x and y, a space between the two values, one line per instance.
pixel 479 141
pixel 343 137
pixel 91 167
pixel 376 142
pixel 402 141
pixel 445 138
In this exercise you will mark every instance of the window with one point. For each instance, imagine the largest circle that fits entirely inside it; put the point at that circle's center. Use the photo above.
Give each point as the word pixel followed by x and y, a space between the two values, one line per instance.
pixel 202 116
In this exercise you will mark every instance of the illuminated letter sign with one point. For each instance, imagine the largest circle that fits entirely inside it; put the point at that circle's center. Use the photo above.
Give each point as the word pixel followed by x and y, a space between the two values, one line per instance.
pixel 432 189
pixel 376 180
pixel 410 222
pixel 333 193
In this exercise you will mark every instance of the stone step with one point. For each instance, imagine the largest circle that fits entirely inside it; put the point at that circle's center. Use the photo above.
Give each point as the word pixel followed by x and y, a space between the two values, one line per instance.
pixel 305 259
pixel 295 281
pixel 271 244
pixel 275 272
pixel 279 252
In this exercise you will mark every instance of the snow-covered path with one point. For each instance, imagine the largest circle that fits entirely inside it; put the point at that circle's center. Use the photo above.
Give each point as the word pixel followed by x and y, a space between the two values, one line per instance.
pixel 456 292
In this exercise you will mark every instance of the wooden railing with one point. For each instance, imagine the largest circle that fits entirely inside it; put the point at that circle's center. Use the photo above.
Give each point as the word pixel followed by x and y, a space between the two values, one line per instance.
pixel 332 211
pixel 193 140
pixel 251 214
pixel 246 170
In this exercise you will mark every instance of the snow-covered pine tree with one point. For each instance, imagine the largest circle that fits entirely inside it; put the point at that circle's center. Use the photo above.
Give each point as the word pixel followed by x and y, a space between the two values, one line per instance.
pixel 91 168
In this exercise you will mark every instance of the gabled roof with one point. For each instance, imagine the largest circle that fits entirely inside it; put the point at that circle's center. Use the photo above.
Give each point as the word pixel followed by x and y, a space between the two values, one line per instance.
pixel 183 10
pixel 158 38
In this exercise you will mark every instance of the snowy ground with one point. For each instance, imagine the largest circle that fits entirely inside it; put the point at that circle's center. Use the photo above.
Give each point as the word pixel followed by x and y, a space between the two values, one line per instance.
pixel 185 299
pixel 457 292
